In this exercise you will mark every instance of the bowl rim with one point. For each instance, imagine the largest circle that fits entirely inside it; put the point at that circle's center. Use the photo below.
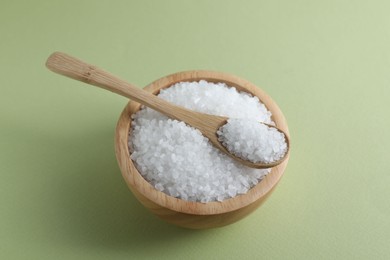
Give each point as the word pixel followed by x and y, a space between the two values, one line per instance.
pixel 140 186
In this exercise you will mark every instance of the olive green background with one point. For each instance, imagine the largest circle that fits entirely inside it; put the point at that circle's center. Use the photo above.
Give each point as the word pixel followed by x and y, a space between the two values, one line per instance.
pixel 326 63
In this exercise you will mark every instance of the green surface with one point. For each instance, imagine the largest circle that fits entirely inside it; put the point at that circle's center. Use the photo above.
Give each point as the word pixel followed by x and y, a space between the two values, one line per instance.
pixel 326 63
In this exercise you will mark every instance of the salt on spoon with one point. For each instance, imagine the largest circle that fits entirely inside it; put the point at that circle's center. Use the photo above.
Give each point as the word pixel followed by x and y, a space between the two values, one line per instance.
pixel 208 125
pixel 253 141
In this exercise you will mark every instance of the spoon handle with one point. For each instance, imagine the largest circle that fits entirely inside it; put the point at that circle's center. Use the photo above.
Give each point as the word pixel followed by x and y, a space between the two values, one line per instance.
pixel 74 68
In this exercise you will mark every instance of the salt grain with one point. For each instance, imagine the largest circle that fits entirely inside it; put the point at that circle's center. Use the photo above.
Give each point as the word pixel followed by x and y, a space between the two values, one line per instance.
pixel 253 141
pixel 178 160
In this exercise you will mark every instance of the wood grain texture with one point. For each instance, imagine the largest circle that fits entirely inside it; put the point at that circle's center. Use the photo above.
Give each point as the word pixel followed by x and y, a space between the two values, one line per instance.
pixel 187 214
pixel 208 125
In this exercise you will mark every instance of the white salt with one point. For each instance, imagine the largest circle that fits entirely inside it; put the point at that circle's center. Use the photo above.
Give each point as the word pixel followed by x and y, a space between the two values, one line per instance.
pixel 253 141
pixel 178 160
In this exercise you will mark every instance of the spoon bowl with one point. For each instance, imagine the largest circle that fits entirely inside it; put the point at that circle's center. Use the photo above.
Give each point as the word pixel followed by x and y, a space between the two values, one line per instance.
pixel 180 212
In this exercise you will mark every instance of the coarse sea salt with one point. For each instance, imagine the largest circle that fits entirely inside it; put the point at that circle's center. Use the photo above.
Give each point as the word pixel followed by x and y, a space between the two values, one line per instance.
pixel 178 160
pixel 250 140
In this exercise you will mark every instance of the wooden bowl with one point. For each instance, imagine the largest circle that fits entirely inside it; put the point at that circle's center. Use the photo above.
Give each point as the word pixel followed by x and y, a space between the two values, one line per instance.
pixel 189 214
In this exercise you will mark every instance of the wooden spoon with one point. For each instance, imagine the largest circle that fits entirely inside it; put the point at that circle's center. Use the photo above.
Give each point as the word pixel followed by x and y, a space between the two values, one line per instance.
pixel 208 125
